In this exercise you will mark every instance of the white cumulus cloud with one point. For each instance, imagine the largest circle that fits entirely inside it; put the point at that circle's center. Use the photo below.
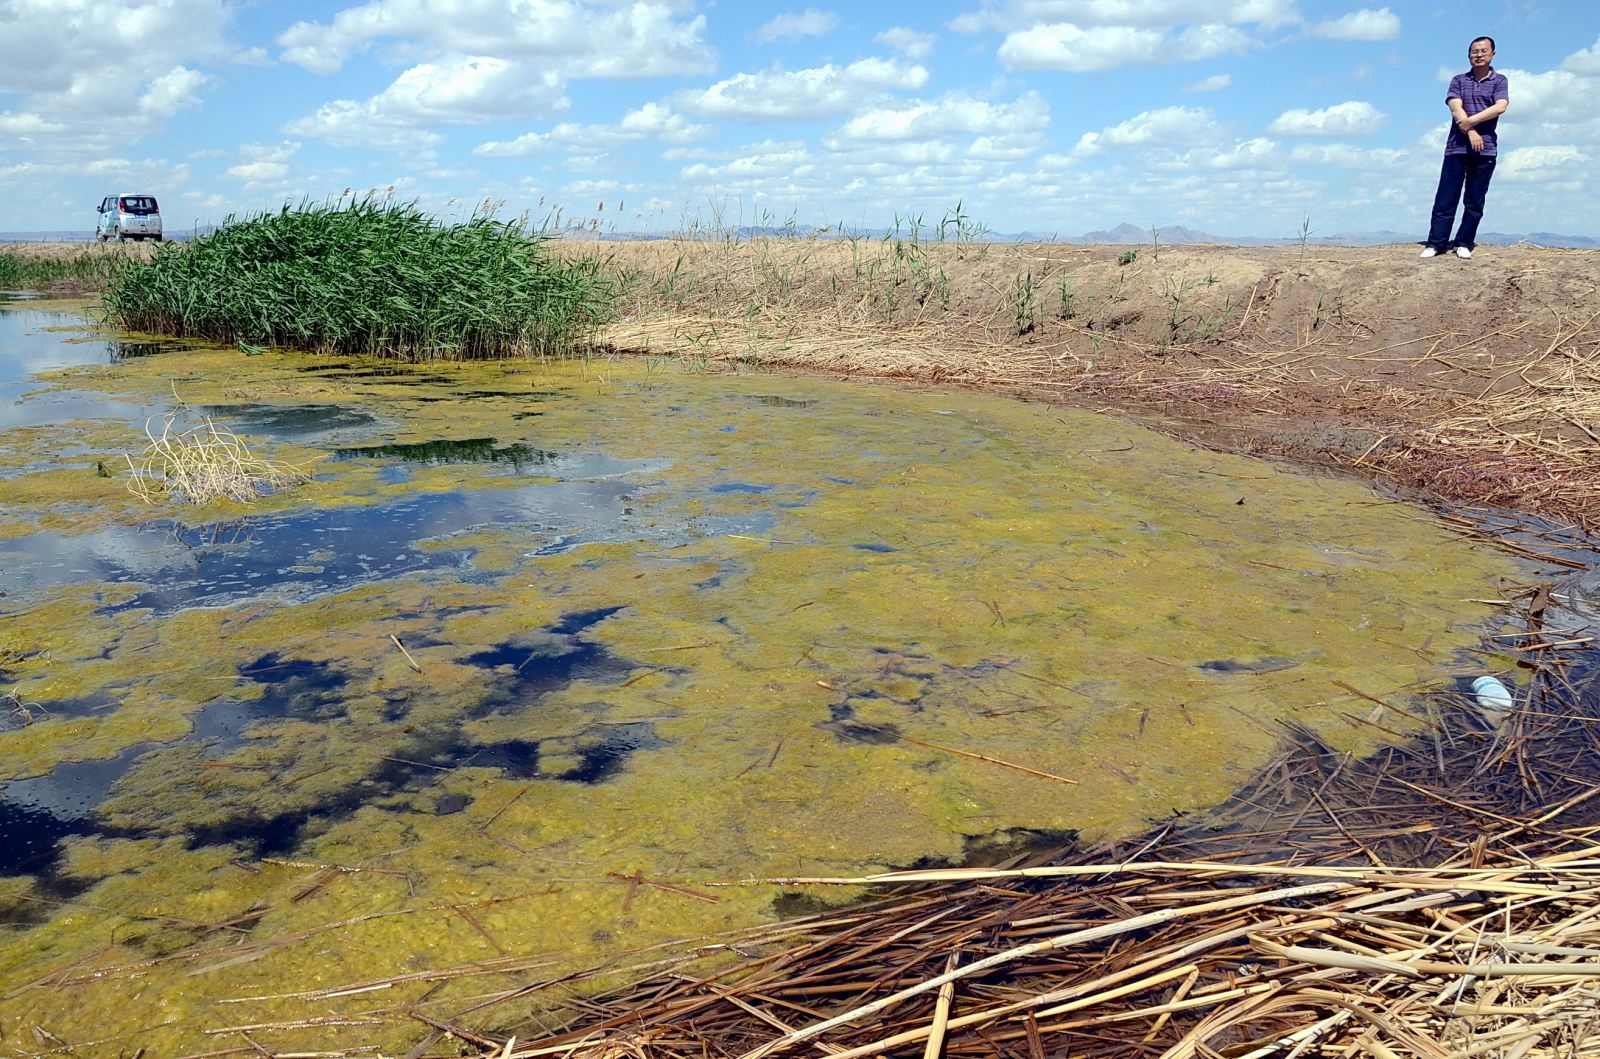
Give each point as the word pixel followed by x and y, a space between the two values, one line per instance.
pixel 177 88
pixel 908 42
pixel 653 121
pixel 952 115
pixel 1585 62
pixel 807 23
pixel 27 126
pixel 259 172
pixel 766 159
pixel 1366 24
pixel 797 94
pixel 644 38
pixel 468 90
pixel 1247 154
pixel 1007 15
pixel 1068 46
pixel 1536 164
pixel 264 163
pixel 1365 159
pixel 1552 97
pixel 1352 118
pixel 1214 83
pixel 1166 127
pixel 93 75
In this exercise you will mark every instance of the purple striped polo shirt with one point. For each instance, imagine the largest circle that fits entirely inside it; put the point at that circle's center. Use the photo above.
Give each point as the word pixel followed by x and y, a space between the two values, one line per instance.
pixel 1475 95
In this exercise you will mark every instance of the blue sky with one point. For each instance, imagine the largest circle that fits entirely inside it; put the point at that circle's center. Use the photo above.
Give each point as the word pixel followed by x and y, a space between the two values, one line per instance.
pixel 1053 116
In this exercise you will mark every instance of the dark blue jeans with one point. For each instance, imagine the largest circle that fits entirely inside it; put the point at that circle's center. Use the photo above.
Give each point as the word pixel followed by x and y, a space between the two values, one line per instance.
pixel 1471 171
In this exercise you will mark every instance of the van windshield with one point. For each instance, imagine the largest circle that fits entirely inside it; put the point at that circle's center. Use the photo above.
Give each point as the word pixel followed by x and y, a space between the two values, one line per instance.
pixel 137 204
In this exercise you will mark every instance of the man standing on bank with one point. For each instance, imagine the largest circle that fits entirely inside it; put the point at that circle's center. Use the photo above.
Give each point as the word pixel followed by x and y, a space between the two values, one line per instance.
pixel 1476 100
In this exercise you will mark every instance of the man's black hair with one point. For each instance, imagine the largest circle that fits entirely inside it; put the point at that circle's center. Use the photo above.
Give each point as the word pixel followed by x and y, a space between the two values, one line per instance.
pixel 1475 40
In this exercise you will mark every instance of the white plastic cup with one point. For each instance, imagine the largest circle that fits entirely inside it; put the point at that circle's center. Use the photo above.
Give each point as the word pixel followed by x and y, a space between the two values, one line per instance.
pixel 1492 695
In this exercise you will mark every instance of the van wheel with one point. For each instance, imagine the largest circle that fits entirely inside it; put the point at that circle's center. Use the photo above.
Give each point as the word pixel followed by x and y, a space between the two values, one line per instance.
pixel 122 239
pixel 100 237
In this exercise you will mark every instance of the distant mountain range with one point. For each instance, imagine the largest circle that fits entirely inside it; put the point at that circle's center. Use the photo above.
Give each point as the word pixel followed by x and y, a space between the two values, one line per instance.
pixel 79 236
pixel 1175 235
pixel 1121 235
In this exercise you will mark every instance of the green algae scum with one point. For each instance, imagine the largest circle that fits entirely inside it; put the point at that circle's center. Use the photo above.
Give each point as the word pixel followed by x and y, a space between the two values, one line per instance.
pixel 548 649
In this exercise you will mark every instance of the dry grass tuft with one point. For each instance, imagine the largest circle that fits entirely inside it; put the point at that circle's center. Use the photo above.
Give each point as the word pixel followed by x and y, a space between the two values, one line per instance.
pixel 202 464
pixel 15 708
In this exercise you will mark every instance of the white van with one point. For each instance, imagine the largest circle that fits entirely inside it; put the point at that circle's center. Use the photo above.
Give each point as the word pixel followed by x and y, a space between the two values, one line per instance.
pixel 129 217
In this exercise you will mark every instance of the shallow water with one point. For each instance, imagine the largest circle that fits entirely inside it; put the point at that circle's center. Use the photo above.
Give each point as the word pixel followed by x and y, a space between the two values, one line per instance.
pixel 540 636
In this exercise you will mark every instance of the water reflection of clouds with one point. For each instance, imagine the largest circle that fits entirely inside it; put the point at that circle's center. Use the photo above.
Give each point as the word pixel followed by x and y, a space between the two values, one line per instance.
pixel 321 550
pixel 316 550
pixel 25 349
pixel 18 410
pixel 120 554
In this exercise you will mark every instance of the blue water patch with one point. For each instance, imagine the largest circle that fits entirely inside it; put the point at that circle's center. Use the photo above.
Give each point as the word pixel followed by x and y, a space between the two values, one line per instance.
pixel 524 670
pixel 27 710
pixel 300 688
pixel 35 814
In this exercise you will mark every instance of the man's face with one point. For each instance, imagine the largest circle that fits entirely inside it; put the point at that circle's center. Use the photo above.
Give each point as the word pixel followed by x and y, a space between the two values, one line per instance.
pixel 1480 54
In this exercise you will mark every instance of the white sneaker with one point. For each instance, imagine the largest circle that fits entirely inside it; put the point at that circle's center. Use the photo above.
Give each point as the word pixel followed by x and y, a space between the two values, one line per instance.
pixel 1463 253
pixel 1428 251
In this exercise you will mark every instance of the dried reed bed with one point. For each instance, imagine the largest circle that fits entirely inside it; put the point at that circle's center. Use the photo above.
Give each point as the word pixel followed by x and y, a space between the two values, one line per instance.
pixel 90 250
pixel 65 268
pixel 1441 898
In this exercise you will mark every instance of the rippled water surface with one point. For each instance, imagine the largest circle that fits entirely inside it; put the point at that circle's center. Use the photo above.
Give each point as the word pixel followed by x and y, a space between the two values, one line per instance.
pixel 544 649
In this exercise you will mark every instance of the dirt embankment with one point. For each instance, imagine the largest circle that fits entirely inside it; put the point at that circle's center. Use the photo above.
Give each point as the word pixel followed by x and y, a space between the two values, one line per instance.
pixel 1478 381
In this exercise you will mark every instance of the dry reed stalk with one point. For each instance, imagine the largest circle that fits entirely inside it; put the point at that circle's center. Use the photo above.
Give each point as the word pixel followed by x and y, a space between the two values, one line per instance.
pixel 412 662
pixel 202 464
pixel 941 1012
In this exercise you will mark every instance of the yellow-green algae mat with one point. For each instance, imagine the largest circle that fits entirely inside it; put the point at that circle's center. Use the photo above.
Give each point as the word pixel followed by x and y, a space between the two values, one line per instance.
pixel 1041 587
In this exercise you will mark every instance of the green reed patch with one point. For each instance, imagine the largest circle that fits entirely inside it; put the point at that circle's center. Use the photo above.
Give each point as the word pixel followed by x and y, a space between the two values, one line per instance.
pixel 367 277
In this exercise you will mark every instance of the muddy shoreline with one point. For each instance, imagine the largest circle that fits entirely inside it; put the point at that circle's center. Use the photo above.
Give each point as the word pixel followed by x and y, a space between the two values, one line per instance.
pixel 1477 382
